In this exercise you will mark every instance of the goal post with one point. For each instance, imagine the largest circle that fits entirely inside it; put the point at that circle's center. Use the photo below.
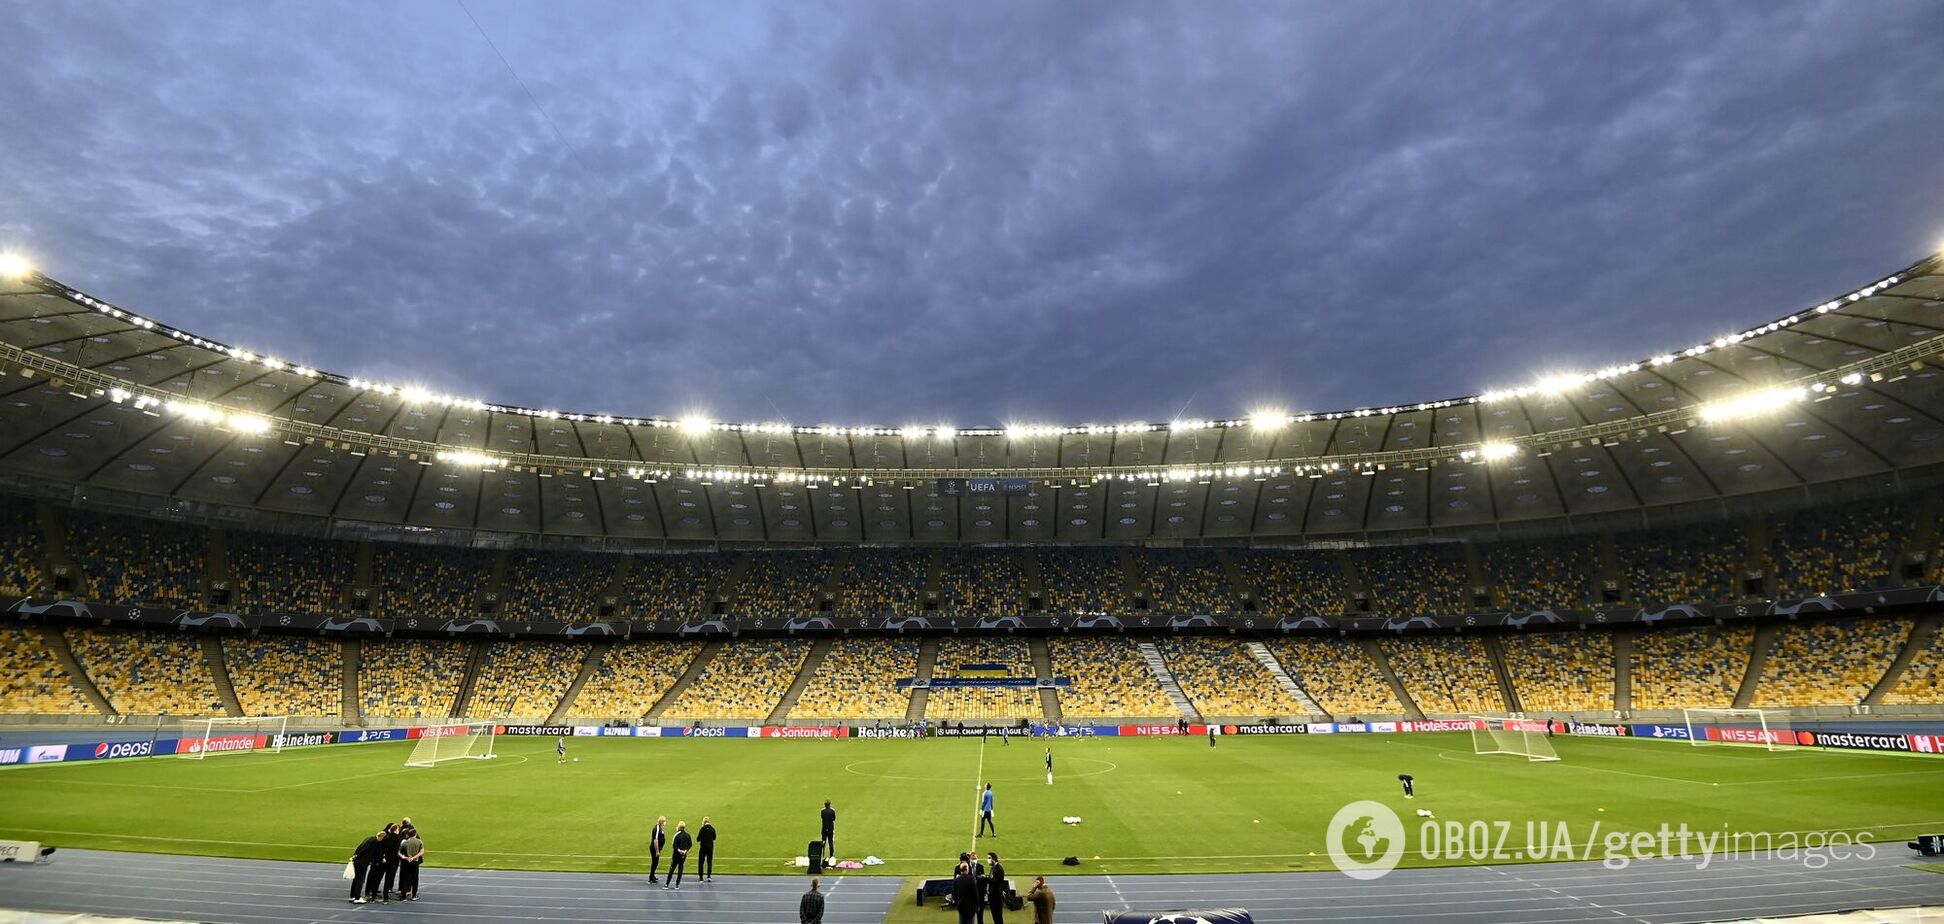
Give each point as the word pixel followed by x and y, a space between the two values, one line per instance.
pixel 1757 728
pixel 457 741
pixel 249 734
pixel 1518 737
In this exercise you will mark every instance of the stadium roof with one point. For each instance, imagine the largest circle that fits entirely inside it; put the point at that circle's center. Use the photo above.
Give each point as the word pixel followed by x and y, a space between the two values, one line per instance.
pixel 94 394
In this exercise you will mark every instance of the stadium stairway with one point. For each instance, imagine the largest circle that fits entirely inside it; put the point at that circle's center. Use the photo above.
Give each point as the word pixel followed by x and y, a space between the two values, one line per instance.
pixel 1043 667
pixel 694 670
pixel 1766 638
pixel 596 653
pixel 920 696
pixel 1375 653
pixel 475 663
pixel 58 644
pixel 1507 691
pixel 1288 684
pixel 212 649
pixel 1623 654
pixel 1159 665
pixel 818 651
pixel 353 654
pixel 1921 633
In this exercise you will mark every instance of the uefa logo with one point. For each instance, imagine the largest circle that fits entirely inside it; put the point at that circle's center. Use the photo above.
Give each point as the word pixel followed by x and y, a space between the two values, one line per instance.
pixel 1366 839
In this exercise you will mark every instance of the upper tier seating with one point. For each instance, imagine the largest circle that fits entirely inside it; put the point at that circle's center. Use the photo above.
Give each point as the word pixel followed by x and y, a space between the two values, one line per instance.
pixel 1543 574
pixel 138 561
pixel 410 678
pixel 1293 582
pixel 781 585
pixel 286 674
pixel 31 678
pixel 858 678
pixel 1415 581
pixel 632 678
pixel 147 673
pixel 745 680
pixel 1837 549
pixel 1338 674
pixel 1834 662
pixel 885 582
pixel 563 586
pixel 670 586
pixel 1697 667
pixel 525 679
pixel 22 548
pixel 287 574
pixel 1083 580
pixel 982 582
pixel 955 652
pixel 428 581
pixel 1694 564
pixel 1109 680
pixel 1222 679
pixel 1188 581
pixel 1446 674
pixel 1561 671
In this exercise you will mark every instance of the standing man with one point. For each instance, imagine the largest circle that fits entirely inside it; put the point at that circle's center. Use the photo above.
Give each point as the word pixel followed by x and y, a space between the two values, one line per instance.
pixel 560 749
pixel 1049 766
pixel 411 852
pixel 829 830
pixel 657 839
pixel 985 813
pixel 996 890
pixel 1211 734
pixel 810 909
pixel 679 858
pixel 965 894
pixel 388 864
pixel 1041 898
pixel 705 852
pixel 363 862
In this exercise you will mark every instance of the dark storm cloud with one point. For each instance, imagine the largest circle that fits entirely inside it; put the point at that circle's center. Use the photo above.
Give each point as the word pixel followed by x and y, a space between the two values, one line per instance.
pixel 970 213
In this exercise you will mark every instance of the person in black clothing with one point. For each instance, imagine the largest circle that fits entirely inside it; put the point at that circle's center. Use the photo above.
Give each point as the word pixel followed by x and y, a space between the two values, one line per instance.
pixel 1410 790
pixel 705 852
pixel 364 861
pixel 829 830
pixel 679 858
pixel 810 909
pixel 387 872
pixel 965 894
pixel 1211 734
pixel 657 839
pixel 996 890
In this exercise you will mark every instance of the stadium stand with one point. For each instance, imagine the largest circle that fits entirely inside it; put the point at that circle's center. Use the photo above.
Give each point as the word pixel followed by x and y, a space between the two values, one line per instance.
pixel 21 548
pixel 525 679
pixel 780 585
pixel 857 679
pixel 1446 674
pixel 1188 581
pixel 1698 667
pixel 32 681
pixel 286 674
pixel 1561 671
pixel 290 575
pixel 410 678
pixel 670 586
pixel 1547 574
pixel 1692 564
pixel 1293 582
pixel 1834 662
pixel 428 580
pixel 885 582
pixel 632 678
pixel 984 582
pixel 1836 549
pixel 1222 679
pixel 559 585
pixel 138 561
pixel 955 653
pixel 147 673
pixel 743 681
pixel 1922 681
pixel 1415 581
pixel 1108 680
pixel 1338 675
pixel 1083 580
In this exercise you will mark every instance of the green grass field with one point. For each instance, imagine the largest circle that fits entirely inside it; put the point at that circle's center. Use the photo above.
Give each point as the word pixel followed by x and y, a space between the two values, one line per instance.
pixel 1148 804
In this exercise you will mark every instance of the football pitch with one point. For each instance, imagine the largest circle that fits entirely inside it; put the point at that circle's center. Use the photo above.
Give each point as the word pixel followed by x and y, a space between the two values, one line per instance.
pixel 1146 805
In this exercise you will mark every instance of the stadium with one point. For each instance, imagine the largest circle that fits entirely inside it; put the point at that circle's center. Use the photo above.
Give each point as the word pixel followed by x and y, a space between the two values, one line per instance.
pixel 252 603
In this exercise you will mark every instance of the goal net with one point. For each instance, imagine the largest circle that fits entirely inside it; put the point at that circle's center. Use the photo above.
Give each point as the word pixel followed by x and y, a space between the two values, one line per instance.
pixel 1757 728
pixel 440 743
pixel 248 734
pixel 1519 737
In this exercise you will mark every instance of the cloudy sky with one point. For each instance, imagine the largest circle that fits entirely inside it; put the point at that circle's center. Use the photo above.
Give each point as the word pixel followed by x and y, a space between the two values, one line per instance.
pixel 968 213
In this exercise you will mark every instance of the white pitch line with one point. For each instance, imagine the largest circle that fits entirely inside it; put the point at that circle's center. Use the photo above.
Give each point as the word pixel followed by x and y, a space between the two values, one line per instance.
pixel 977 776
